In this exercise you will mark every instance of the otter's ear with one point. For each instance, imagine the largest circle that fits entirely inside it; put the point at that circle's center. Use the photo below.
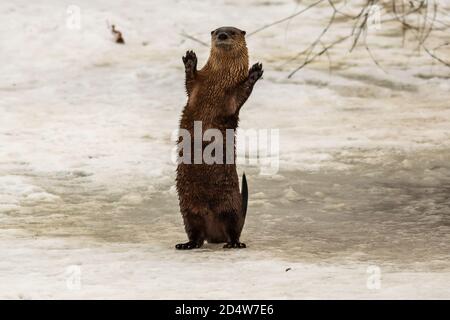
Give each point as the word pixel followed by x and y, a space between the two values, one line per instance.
pixel 243 32
pixel 212 32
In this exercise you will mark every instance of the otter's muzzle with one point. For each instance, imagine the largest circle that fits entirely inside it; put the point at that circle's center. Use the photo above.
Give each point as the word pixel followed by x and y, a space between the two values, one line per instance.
pixel 223 40
pixel 222 36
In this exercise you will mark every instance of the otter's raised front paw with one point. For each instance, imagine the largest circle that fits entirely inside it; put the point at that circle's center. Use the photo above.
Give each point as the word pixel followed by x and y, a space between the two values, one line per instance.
pixel 190 61
pixel 188 245
pixel 237 245
pixel 256 72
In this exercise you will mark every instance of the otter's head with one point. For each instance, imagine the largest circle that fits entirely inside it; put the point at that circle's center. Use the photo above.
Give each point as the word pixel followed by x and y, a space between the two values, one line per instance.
pixel 229 55
pixel 228 40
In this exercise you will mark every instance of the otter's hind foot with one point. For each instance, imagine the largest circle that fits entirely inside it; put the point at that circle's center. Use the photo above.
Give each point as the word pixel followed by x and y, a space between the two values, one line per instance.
pixel 188 245
pixel 236 245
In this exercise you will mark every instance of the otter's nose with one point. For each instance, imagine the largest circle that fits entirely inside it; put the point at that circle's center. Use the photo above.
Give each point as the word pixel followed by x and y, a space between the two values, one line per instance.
pixel 222 36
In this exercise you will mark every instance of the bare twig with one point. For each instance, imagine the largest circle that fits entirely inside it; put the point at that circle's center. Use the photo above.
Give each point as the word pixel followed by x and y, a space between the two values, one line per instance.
pixel 343 13
pixel 310 49
pixel 403 13
pixel 434 56
pixel 363 24
pixel 369 51
pixel 285 19
pixel 422 36
pixel 330 67
pixel 183 34
pixel 441 45
pixel 324 50
pixel 420 17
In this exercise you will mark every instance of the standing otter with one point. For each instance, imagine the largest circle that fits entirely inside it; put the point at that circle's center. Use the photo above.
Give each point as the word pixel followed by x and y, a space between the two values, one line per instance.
pixel 210 202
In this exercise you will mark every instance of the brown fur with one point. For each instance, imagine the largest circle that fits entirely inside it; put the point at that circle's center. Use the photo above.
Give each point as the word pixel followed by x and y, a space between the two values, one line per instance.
pixel 210 201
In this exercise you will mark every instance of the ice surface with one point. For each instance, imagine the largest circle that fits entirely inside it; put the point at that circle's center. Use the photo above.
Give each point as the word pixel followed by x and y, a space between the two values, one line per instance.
pixel 86 176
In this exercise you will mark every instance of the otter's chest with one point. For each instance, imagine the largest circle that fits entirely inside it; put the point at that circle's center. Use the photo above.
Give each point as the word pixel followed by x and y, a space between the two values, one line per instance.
pixel 211 100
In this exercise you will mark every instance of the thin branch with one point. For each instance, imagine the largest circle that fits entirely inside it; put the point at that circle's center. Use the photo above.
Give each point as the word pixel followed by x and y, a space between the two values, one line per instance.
pixel 325 49
pixel 363 24
pixel 421 42
pixel 310 49
pixel 336 10
pixel 431 54
pixel 284 19
pixel 369 51
pixel 184 34
pixel 328 57
pixel 441 45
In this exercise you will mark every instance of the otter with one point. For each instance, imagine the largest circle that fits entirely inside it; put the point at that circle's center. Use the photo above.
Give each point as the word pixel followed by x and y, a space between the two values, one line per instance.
pixel 211 205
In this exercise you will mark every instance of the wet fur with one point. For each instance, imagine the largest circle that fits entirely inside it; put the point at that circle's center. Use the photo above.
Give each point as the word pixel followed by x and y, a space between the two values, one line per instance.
pixel 210 202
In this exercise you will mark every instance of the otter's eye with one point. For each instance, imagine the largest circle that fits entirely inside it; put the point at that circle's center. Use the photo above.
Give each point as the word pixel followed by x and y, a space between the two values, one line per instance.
pixel 232 33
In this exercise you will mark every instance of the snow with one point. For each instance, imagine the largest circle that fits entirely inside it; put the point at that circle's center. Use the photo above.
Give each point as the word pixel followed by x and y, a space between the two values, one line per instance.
pixel 86 177
pixel 131 271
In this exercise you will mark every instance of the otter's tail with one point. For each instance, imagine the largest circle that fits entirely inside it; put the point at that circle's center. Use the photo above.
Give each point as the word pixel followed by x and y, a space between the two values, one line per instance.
pixel 244 194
